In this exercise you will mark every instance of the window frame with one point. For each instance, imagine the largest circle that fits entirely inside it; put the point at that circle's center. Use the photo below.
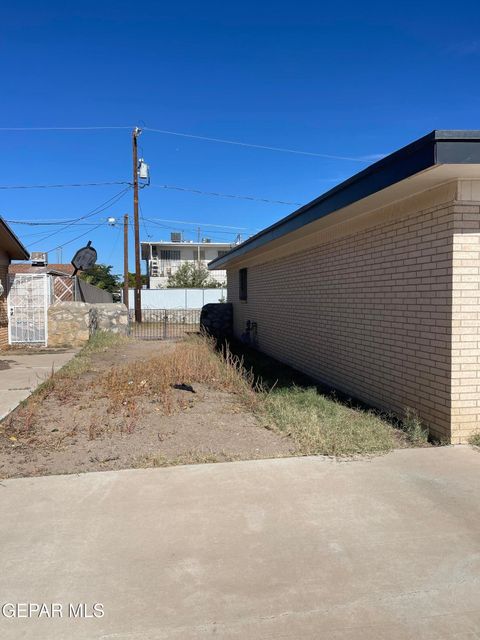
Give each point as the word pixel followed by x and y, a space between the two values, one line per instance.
pixel 243 284
pixel 167 255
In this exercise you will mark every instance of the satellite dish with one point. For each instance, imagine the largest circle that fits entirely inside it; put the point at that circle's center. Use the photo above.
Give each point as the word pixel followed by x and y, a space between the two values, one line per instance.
pixel 85 258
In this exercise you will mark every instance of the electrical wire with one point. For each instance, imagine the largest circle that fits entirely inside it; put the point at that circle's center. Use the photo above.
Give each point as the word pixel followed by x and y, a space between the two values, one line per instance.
pixel 58 186
pixel 158 186
pixel 199 224
pixel 148 235
pixel 64 244
pixel 115 243
pixel 32 223
pixel 163 226
pixel 224 195
pixel 62 128
pixel 261 146
pixel 102 207
pixel 364 159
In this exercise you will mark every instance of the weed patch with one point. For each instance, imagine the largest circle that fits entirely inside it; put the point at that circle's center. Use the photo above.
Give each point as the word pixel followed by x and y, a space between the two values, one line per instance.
pixel 321 425
pixel 475 439
pixel 415 431
pixel 188 363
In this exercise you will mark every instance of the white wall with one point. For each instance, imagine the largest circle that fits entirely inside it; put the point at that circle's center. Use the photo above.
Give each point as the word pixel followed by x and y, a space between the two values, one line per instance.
pixel 177 298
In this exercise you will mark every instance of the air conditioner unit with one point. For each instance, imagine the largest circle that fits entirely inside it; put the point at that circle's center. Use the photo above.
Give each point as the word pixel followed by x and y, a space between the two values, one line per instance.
pixel 175 236
pixel 39 258
pixel 206 240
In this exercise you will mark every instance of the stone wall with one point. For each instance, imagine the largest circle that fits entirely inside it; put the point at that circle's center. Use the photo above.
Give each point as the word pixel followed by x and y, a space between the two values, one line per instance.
pixel 216 319
pixel 70 324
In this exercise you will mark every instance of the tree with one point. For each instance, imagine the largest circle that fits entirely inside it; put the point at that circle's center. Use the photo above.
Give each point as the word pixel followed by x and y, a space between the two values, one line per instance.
pixel 131 280
pixel 102 277
pixel 191 275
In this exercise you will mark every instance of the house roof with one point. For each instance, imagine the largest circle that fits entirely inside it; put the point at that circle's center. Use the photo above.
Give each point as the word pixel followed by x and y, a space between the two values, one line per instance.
pixel 57 269
pixel 440 147
pixel 11 244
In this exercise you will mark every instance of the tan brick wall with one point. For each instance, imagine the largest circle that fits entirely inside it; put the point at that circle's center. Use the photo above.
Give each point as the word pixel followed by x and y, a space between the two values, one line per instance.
pixel 3 303
pixel 466 322
pixel 368 310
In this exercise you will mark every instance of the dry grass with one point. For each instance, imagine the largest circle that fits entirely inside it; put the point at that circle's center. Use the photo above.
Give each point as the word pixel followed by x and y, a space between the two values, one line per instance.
pixel 190 457
pixel 191 361
pixel 475 439
pixel 61 381
pixel 413 428
pixel 315 422
pixel 61 384
pixel 322 425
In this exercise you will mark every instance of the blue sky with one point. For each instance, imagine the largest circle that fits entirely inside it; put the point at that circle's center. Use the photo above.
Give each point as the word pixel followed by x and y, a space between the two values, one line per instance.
pixel 345 79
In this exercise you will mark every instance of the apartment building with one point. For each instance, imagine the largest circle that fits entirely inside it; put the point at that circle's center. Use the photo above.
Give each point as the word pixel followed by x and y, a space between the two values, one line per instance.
pixel 165 258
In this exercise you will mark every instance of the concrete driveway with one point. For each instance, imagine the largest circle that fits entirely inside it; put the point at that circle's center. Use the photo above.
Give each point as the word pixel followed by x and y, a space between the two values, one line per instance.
pixel 21 373
pixel 300 548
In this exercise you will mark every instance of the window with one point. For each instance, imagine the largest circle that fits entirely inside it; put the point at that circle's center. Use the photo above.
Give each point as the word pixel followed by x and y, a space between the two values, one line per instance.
pixel 169 254
pixel 222 253
pixel 196 253
pixel 243 284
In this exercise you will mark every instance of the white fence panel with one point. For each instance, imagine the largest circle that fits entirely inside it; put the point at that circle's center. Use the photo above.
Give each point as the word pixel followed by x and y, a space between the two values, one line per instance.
pixel 177 298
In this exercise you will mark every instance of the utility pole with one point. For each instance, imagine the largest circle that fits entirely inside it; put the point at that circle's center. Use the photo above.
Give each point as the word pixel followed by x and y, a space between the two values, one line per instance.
pixel 198 247
pixel 125 260
pixel 138 279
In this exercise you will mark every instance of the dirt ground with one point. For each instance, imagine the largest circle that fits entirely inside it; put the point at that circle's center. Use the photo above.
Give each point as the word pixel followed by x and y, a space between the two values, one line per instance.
pixel 78 430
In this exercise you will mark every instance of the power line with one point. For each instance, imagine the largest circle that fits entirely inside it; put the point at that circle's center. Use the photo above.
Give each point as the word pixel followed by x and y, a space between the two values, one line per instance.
pixel 159 186
pixel 260 146
pixel 197 224
pixel 73 239
pixel 62 128
pixel 224 195
pixel 58 186
pixel 115 243
pixel 201 224
pixel 218 229
pixel 364 159
pixel 102 207
pixel 148 235
pixel 34 223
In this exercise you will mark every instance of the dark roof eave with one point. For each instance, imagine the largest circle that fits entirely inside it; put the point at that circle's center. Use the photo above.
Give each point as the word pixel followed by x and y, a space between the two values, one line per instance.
pixel 22 253
pixel 437 147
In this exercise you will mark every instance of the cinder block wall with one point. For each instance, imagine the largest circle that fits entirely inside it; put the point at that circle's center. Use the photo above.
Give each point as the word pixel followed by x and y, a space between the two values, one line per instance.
pixel 368 310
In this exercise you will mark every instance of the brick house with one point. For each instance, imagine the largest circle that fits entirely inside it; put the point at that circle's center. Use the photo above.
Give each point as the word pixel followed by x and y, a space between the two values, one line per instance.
pixel 374 287
pixel 63 283
pixel 10 249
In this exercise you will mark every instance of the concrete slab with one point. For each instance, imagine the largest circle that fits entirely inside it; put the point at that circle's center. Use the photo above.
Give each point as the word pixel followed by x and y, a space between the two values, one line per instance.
pixel 300 548
pixel 21 373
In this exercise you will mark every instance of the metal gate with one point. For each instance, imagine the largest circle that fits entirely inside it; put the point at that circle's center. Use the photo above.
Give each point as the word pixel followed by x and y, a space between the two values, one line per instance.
pixel 28 299
pixel 164 324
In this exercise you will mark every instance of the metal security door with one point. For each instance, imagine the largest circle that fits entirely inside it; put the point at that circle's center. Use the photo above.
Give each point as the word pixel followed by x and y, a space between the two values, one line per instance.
pixel 28 299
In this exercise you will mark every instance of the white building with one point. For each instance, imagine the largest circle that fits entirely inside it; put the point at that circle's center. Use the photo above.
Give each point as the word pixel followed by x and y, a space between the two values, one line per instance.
pixel 164 258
